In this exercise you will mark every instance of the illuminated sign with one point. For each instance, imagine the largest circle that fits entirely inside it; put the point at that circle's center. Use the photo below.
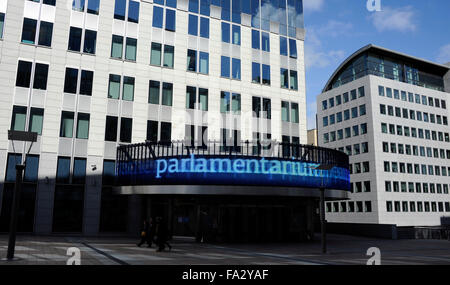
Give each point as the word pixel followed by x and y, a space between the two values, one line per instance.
pixel 221 170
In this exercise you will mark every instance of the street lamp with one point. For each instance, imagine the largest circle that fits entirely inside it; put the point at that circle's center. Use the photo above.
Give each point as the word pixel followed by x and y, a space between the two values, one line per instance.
pixel 323 222
pixel 24 137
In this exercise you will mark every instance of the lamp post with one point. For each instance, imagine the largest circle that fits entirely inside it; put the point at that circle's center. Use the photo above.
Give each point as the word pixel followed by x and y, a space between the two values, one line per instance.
pixel 323 221
pixel 25 137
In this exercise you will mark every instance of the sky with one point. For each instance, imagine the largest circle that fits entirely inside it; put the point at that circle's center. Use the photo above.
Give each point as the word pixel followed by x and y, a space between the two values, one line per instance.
pixel 335 29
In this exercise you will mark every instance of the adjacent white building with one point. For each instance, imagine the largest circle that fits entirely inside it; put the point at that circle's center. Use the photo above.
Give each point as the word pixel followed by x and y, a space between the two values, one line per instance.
pixel 389 112
pixel 88 75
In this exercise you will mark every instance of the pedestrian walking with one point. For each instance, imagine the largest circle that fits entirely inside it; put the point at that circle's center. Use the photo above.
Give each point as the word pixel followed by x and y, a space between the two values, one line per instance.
pixel 144 233
pixel 162 235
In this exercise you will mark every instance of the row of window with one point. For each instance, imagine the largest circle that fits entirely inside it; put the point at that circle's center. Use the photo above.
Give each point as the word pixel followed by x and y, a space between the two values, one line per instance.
pixel 344 116
pixel 415 150
pixel 345 133
pixel 344 98
pixel 356 168
pixel 413 115
pixel 349 207
pixel 396 167
pixel 411 97
pixel 414 132
pixel 398 206
pixel 360 187
pixel 165 18
pixel 356 149
pixel 417 187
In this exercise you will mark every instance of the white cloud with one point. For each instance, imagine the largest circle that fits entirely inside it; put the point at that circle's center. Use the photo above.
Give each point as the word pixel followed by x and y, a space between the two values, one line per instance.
pixel 312 5
pixel 395 19
pixel 315 55
pixel 444 54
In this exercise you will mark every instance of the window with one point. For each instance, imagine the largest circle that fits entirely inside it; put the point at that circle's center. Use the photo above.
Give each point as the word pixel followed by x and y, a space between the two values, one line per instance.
pixel 158 14
pixel 114 86
pixel 63 170
pixel 294 113
pixel 40 76
pixel 285 81
pixel 256 72
pixel 155 58
pixel 29 31
pixel 153 93
pixel 24 74
pixel 67 123
pixel 191 60
pixel 130 49
pixel 117 47
pixel 128 88
pixel 169 52
pixel 265 42
pixel 83 126
pixel 126 125
pixel 45 34
pixel 192 99
pixel 293 80
pixel 111 129
pixel 265 74
pixel 152 131
pixel 79 171
pixel 381 90
pixel 2 23
pixel 230 102
pixel 255 39
pixel 121 8
pixel 87 78
pixel 18 118
pixel 36 120
pixel 71 81
pixel 204 63
pixel 90 40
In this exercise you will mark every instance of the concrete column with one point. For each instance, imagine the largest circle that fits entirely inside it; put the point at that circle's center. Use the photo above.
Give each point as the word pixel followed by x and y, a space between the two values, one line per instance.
pixel 134 214
pixel 92 196
pixel 45 193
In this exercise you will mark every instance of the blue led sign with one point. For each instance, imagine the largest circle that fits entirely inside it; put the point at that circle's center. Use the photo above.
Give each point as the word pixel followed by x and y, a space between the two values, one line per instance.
pixel 221 170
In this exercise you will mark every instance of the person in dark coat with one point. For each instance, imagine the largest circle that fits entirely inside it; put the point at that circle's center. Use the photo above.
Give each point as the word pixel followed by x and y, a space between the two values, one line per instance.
pixel 144 233
pixel 151 233
pixel 162 235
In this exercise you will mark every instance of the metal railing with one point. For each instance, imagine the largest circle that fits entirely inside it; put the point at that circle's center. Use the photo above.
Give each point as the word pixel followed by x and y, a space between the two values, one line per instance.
pixel 139 154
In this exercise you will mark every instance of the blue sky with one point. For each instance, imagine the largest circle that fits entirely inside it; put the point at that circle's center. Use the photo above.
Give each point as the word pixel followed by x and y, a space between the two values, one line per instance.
pixel 337 28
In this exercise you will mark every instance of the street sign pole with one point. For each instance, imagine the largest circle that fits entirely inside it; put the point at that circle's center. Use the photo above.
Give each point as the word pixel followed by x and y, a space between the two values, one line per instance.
pixel 24 137
pixel 14 212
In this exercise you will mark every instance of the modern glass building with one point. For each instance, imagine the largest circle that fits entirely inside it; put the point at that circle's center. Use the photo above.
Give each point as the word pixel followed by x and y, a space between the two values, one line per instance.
pixel 389 112
pixel 91 76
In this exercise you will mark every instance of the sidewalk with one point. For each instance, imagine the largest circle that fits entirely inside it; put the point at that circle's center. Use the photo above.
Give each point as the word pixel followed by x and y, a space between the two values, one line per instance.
pixel 34 250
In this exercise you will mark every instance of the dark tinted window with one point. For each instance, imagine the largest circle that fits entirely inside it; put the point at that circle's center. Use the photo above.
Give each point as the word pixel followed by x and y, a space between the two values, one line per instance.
pixel 29 31
pixel 111 129
pixel 152 131
pixel 45 34
pixel 90 41
pixel 75 39
pixel 166 132
pixel 87 78
pixel 70 83
pixel 40 76
pixel 93 6
pixel 23 74
pixel 126 125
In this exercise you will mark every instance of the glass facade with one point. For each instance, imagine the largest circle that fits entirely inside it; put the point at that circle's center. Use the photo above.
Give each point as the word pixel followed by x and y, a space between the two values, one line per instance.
pixel 378 64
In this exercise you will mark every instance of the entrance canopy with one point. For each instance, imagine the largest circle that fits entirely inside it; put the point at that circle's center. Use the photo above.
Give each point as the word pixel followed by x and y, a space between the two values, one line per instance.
pixel 267 164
